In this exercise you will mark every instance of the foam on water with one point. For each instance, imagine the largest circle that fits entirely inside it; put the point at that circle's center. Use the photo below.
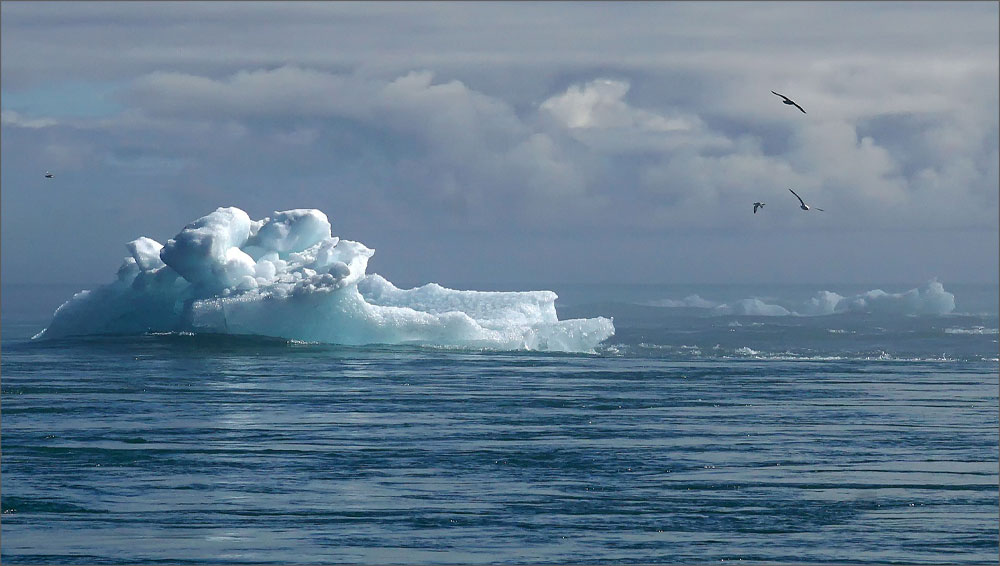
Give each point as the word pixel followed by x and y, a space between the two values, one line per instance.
pixel 287 277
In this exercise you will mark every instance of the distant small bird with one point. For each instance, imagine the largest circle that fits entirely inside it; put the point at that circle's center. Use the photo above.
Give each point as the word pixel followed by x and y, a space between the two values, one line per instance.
pixel 804 206
pixel 48 175
pixel 757 205
pixel 789 101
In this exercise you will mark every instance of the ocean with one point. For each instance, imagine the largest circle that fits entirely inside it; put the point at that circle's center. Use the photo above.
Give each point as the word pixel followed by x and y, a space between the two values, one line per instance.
pixel 701 432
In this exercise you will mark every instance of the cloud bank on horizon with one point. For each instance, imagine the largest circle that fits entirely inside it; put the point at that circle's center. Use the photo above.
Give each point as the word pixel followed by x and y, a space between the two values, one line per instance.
pixel 537 136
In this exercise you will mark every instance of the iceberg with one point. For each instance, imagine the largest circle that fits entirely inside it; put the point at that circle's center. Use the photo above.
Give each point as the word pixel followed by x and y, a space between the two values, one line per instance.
pixel 751 307
pixel 287 276
pixel 931 299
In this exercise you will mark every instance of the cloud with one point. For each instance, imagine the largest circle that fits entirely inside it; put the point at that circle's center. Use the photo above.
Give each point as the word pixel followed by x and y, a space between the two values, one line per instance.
pixel 284 91
pixel 539 122
pixel 597 115
pixel 440 143
pixel 11 118
pixel 469 157
pixel 600 104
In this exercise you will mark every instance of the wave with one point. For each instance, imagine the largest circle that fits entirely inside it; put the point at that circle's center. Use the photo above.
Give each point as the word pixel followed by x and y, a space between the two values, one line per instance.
pixel 747 353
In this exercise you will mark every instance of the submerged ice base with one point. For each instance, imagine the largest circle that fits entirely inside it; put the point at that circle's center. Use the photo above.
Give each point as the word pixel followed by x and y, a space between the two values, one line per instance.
pixel 288 277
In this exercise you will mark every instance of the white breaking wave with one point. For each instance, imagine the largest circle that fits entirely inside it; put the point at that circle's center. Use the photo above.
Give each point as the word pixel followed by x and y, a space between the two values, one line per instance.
pixel 288 277
pixel 930 299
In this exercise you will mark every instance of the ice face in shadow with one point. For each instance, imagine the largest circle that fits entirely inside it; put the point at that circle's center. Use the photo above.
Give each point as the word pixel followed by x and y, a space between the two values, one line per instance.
pixel 288 277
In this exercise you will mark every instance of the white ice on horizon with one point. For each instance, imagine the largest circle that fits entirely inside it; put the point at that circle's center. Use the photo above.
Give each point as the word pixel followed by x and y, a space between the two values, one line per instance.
pixel 931 299
pixel 287 276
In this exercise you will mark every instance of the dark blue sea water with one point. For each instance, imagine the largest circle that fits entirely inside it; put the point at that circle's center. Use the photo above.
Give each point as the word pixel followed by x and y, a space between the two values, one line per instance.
pixel 688 438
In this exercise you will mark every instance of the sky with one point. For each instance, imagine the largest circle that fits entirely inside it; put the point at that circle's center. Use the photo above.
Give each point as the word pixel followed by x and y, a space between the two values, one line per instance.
pixel 513 144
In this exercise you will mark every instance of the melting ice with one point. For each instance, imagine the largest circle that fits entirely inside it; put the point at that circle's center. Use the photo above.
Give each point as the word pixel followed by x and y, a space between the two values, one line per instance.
pixel 287 276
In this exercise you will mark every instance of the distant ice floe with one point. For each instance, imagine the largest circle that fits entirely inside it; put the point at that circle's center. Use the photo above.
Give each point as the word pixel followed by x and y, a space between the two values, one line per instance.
pixel 931 299
pixel 978 330
pixel 287 277
pixel 691 301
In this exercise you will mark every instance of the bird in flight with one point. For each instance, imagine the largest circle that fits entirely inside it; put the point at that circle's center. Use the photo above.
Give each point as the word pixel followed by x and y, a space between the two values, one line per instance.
pixel 48 175
pixel 805 206
pixel 757 205
pixel 789 101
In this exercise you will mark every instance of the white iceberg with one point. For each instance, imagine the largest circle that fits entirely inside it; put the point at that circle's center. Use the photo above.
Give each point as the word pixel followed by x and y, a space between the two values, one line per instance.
pixel 288 277
pixel 931 299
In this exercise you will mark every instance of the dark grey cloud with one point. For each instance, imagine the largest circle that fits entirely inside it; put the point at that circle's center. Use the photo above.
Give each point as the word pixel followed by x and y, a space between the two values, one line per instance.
pixel 515 141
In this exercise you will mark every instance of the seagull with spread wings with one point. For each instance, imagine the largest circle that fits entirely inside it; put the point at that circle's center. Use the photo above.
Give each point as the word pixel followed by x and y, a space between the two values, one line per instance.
pixel 789 101
pixel 805 206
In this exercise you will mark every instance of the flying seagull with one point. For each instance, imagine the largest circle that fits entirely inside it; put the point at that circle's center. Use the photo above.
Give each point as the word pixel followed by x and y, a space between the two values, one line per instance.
pixel 48 175
pixel 789 101
pixel 804 205
pixel 757 205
